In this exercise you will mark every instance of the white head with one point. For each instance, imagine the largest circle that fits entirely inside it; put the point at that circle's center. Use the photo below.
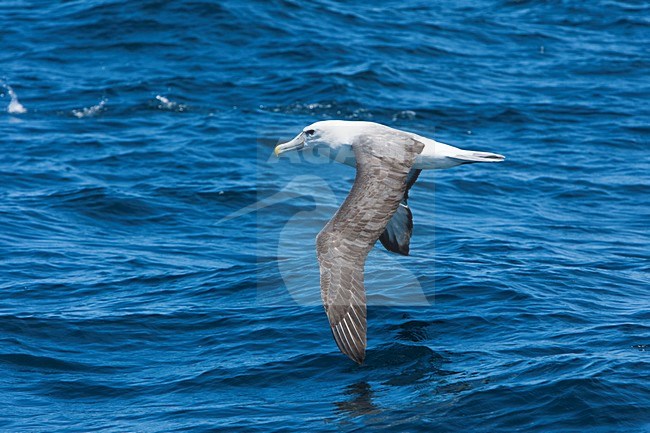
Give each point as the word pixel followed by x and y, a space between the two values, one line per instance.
pixel 336 135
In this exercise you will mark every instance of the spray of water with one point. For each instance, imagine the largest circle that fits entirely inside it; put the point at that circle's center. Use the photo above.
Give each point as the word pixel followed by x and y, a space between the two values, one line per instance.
pixel 89 111
pixel 14 107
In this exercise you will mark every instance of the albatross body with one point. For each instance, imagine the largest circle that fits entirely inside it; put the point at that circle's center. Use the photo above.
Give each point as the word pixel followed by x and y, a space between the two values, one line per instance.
pixel 388 162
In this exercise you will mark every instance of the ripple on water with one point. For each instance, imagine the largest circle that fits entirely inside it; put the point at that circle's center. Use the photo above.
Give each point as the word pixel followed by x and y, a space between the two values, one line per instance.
pixel 136 295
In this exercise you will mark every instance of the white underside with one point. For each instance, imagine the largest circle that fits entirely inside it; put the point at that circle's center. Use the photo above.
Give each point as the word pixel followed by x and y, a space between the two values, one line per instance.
pixel 336 135
pixel 436 155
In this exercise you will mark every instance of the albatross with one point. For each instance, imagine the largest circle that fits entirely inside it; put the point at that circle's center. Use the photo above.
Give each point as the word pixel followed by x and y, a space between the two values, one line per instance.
pixel 388 161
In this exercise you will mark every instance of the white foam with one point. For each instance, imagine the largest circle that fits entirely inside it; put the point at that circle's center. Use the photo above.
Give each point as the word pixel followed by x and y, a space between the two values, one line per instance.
pixel 406 114
pixel 14 107
pixel 89 111
pixel 166 104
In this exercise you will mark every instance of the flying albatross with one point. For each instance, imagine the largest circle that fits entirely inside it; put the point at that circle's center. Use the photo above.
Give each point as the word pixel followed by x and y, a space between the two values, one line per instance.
pixel 388 162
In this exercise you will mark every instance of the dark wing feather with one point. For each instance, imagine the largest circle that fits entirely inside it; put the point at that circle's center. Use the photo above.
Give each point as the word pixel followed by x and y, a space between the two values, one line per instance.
pixel 344 243
pixel 397 236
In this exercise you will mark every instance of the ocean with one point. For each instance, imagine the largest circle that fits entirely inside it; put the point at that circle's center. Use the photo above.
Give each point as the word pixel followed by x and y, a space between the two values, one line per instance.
pixel 157 263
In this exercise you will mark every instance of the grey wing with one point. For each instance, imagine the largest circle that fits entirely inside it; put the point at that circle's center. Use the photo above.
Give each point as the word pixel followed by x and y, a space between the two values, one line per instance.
pixel 397 236
pixel 344 243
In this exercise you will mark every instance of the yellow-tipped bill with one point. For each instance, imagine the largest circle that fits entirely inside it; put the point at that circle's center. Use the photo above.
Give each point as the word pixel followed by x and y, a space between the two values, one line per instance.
pixel 295 144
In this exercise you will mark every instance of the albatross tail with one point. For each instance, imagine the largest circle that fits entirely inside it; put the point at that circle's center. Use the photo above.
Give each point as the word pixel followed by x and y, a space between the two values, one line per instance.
pixel 438 155
pixel 469 156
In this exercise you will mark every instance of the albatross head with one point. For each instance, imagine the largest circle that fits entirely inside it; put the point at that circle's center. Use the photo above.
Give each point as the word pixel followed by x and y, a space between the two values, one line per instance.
pixel 333 134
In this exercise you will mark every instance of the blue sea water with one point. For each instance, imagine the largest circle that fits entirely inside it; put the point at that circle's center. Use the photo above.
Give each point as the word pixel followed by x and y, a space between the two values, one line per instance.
pixel 136 298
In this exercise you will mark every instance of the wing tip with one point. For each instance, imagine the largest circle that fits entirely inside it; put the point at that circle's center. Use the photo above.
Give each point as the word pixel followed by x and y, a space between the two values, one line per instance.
pixel 356 350
pixel 395 247
pixel 360 359
pixel 356 356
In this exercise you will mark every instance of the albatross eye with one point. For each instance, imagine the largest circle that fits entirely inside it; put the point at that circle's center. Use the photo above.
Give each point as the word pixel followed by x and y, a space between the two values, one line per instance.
pixel 310 132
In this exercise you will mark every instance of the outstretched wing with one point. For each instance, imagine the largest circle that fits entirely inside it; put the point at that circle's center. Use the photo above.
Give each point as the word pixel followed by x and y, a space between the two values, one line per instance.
pixel 383 163
pixel 397 236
